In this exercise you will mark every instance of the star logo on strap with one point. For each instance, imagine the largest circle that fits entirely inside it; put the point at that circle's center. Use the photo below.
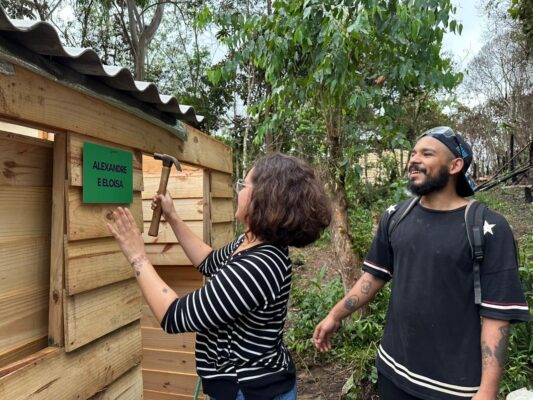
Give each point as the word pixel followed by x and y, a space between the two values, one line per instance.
pixel 487 228
pixel 391 209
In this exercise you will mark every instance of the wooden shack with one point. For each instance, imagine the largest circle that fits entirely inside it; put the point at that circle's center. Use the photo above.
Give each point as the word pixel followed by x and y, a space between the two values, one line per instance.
pixel 72 320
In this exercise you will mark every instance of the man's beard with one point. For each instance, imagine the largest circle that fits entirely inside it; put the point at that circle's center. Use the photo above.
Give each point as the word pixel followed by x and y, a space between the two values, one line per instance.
pixel 431 184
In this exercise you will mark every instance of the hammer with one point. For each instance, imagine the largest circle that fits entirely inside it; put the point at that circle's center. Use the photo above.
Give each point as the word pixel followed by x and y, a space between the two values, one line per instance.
pixel 167 165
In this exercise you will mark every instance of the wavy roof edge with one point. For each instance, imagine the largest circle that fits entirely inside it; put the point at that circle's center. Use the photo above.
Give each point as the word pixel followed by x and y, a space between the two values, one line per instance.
pixel 42 38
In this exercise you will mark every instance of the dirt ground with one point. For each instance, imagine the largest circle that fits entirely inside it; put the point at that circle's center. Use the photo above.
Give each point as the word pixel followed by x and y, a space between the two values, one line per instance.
pixel 325 382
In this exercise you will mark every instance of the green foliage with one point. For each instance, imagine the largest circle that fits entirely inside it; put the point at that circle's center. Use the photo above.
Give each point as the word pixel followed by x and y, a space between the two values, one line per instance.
pixel 522 10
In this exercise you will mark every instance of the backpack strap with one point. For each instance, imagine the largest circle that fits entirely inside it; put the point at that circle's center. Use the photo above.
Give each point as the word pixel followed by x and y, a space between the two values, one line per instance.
pixel 399 214
pixel 474 219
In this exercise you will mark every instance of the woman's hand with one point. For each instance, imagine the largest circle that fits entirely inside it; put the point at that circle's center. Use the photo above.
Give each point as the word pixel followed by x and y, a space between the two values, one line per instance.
pixel 166 203
pixel 127 234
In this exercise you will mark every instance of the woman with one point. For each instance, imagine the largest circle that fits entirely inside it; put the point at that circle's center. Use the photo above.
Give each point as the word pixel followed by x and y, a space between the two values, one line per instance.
pixel 240 313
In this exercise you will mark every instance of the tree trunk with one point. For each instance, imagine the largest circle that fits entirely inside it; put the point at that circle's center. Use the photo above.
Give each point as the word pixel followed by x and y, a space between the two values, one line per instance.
pixel 348 263
pixel 511 155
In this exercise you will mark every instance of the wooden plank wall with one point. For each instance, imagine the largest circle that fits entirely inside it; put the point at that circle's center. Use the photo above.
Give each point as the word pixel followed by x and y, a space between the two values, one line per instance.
pixel 169 370
pixel 25 212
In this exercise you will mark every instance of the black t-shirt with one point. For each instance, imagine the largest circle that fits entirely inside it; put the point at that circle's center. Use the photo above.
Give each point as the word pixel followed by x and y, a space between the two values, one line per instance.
pixel 431 343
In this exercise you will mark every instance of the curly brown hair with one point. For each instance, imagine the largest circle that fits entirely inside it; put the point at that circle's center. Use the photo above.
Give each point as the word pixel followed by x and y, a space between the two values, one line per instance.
pixel 288 205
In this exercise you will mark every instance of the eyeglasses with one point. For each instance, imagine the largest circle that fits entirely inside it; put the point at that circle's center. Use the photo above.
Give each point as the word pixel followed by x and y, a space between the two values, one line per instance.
pixel 239 185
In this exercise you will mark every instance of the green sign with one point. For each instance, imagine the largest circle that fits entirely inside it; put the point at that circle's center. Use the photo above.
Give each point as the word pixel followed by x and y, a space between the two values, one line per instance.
pixel 107 175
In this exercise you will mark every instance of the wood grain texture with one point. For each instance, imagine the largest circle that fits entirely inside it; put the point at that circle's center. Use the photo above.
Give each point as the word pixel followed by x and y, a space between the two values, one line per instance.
pixel 187 209
pixel 157 338
pixel 54 374
pixel 182 186
pixel 94 263
pixel 56 333
pixel 24 317
pixel 221 210
pixel 88 221
pixel 25 162
pixel 222 234
pixel 169 382
pixel 128 387
pixel 221 185
pixel 25 212
pixel 91 315
pixel 166 235
pixel 169 361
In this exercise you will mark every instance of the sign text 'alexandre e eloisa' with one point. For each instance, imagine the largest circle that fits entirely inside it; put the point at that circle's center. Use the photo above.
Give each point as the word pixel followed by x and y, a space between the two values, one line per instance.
pixel 107 174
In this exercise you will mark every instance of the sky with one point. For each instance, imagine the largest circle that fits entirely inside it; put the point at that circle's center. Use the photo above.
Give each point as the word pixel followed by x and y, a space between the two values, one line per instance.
pixel 463 47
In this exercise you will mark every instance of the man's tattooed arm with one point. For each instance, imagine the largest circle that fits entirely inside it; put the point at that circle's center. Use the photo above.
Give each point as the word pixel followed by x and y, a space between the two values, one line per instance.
pixel 494 343
pixel 366 286
pixel 351 303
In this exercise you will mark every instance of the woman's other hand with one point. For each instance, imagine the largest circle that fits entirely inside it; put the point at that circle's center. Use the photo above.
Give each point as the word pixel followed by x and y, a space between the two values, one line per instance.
pixel 125 231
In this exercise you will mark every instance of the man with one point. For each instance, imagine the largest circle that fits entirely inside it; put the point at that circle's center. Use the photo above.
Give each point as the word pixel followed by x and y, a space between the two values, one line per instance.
pixel 434 346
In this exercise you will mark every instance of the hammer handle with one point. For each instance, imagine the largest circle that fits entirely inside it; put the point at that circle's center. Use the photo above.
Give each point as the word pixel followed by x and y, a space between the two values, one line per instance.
pixel 156 216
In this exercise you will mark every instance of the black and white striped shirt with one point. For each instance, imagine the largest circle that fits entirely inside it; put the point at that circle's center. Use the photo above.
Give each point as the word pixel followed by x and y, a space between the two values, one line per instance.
pixel 239 317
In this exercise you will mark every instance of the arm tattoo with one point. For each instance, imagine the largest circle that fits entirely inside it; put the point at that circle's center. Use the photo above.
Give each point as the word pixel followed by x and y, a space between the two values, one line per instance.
pixel 490 357
pixel 351 303
pixel 137 263
pixel 365 287
pixel 500 351
pixel 486 355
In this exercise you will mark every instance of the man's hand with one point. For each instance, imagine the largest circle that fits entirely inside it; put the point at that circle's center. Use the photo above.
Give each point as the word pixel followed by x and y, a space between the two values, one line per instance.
pixel 323 333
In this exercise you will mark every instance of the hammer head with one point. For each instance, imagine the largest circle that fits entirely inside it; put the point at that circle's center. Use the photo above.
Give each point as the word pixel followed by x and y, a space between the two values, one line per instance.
pixel 168 160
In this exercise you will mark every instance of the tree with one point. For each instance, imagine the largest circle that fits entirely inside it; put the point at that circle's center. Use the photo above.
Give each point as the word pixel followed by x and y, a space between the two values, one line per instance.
pixel 342 59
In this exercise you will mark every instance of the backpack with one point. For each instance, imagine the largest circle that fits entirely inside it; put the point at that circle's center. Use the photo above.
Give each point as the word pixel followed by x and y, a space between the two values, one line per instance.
pixel 474 218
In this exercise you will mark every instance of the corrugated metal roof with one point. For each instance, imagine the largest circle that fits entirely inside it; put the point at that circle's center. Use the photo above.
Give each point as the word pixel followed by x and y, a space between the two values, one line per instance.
pixel 42 38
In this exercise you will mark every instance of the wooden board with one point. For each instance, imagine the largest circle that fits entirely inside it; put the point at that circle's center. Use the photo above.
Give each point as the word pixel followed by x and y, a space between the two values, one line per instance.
pixel 23 349
pixel 152 167
pixel 24 212
pixel 169 361
pixel 75 160
pixel 25 162
pixel 24 317
pixel 127 387
pixel 182 186
pixel 33 99
pixel 166 235
pixel 56 332
pixel 169 382
pixel 222 234
pixel 87 221
pixel 91 315
pixel 94 263
pixel 153 395
pixel 24 264
pixel 180 276
pixel 222 210
pixel 221 185
pixel 157 338
pixel 187 209
pixel 54 374
pixel 167 254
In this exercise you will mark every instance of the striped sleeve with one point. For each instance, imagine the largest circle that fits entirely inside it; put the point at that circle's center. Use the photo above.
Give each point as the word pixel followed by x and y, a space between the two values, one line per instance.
pixel 501 291
pixel 378 261
pixel 216 259
pixel 248 282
